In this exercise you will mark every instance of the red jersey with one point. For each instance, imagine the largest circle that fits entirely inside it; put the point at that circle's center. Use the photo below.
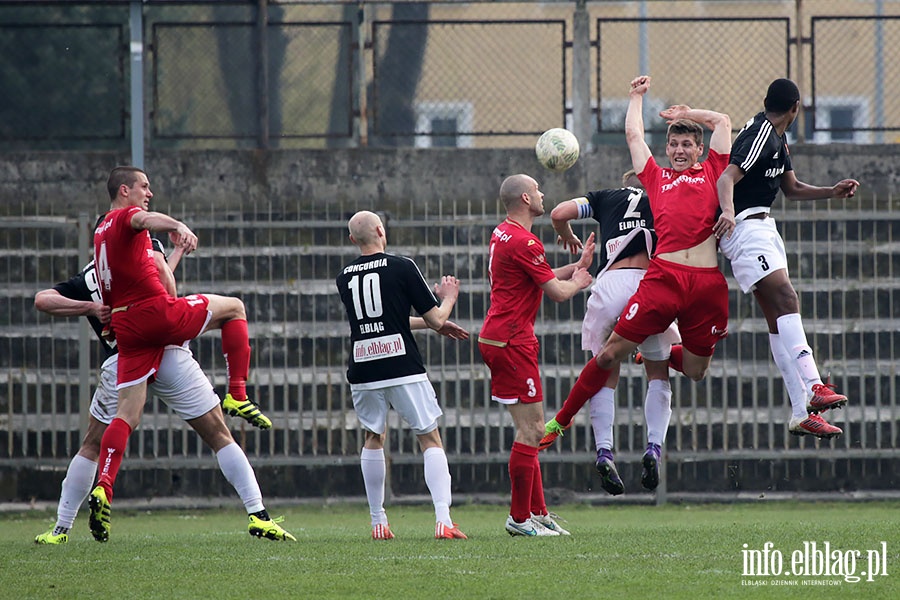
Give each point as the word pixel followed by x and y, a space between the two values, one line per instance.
pixel 517 267
pixel 684 205
pixel 123 260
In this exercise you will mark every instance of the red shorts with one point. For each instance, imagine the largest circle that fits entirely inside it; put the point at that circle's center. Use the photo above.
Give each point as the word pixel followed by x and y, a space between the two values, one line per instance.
pixel 143 330
pixel 697 297
pixel 514 372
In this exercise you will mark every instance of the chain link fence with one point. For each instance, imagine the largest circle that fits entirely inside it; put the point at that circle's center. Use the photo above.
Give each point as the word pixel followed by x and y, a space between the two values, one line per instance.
pixel 461 74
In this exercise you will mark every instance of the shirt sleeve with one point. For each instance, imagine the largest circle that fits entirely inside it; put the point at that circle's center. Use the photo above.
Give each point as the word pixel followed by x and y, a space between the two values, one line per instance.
pixel 421 297
pixel 649 177
pixel 717 163
pixel 747 149
pixel 531 258
pixel 74 289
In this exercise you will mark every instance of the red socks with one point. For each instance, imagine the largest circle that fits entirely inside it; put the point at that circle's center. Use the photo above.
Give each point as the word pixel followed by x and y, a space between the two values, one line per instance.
pixel 590 381
pixel 112 449
pixel 538 504
pixel 236 348
pixel 522 463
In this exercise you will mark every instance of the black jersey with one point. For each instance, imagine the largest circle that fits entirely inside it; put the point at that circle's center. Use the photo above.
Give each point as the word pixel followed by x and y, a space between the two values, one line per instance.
pixel 763 156
pixel 378 292
pixel 623 214
pixel 84 288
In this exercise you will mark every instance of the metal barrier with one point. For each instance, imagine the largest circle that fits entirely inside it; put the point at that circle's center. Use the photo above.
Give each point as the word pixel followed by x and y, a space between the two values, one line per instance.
pixel 313 74
pixel 842 258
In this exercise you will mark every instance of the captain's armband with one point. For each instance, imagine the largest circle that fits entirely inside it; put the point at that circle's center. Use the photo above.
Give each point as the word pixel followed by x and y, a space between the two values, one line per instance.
pixel 584 208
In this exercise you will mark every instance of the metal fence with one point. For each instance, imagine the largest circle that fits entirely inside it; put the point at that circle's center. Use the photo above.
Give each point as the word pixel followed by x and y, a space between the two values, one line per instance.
pixel 728 432
pixel 303 74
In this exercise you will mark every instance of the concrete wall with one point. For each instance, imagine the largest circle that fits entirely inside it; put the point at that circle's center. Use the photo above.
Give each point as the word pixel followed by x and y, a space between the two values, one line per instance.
pixel 64 184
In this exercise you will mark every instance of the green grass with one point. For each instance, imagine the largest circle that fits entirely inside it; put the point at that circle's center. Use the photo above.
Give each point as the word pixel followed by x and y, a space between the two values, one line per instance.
pixel 617 552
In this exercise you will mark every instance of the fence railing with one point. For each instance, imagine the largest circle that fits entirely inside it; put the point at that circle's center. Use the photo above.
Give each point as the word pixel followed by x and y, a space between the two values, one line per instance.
pixel 315 74
pixel 842 258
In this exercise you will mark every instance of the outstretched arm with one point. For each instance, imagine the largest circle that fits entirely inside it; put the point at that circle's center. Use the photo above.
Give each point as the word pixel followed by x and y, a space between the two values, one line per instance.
pixel 53 303
pixel 634 124
pixel 797 190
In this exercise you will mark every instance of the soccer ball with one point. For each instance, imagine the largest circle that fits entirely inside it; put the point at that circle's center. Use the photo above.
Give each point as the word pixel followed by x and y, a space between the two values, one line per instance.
pixel 557 149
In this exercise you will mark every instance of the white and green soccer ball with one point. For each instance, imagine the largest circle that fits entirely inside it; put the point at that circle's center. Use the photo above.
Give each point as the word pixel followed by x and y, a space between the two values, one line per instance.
pixel 557 149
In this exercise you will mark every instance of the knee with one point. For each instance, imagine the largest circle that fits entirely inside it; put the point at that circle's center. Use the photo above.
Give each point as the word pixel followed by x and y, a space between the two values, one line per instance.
pixel 786 299
pixel 532 433
pixel 607 358
pixel 695 372
pixel 237 309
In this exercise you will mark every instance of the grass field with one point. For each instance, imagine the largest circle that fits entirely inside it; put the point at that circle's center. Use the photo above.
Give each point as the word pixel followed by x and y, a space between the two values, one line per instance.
pixel 617 552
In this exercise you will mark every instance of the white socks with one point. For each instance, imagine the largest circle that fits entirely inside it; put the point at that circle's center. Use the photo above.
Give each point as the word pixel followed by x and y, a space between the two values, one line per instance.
pixel 793 338
pixel 658 410
pixel 75 488
pixel 373 471
pixel 603 413
pixel 237 470
pixel 437 478
pixel 795 386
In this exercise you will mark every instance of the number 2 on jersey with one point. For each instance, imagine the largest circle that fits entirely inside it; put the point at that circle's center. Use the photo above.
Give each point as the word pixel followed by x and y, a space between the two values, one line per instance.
pixel 370 292
pixel 633 199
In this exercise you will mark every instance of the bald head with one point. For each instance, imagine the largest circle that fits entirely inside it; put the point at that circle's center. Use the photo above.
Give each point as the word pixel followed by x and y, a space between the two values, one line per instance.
pixel 367 231
pixel 514 186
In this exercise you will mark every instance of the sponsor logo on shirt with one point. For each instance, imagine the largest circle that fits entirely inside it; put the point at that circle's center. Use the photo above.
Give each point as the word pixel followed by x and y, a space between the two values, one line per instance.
pixel 501 235
pixel 684 179
pixel 775 172
pixel 537 260
pixel 387 346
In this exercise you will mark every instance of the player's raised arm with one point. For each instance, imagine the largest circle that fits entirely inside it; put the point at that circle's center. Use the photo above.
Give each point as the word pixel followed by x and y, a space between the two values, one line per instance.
pixel 634 124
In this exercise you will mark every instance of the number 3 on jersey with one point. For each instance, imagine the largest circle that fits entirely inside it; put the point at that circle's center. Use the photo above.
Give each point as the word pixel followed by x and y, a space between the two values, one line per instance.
pixel 368 294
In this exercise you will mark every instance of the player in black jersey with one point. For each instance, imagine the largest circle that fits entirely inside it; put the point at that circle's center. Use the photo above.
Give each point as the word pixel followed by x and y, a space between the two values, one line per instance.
pixel 627 242
pixel 759 166
pixel 385 368
pixel 180 383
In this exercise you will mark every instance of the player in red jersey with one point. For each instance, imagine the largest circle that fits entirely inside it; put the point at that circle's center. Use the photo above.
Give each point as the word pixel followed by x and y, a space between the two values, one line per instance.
pixel 146 319
pixel 520 276
pixel 683 280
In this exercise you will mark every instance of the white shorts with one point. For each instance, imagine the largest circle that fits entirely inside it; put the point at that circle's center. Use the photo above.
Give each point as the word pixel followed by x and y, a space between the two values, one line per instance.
pixel 755 250
pixel 180 383
pixel 415 402
pixel 609 295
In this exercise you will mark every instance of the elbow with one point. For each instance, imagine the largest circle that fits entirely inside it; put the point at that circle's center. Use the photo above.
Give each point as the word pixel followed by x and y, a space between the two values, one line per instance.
pixel 40 301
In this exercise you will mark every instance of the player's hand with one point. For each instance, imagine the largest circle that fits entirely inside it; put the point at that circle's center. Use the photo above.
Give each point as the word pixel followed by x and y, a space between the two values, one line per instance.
pixel 673 113
pixel 587 253
pixel 724 226
pixel 570 243
pixel 101 312
pixel 640 85
pixel 844 188
pixel 582 277
pixel 184 238
pixel 447 288
pixel 453 331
